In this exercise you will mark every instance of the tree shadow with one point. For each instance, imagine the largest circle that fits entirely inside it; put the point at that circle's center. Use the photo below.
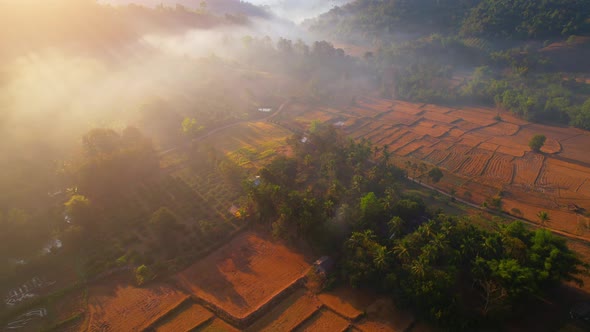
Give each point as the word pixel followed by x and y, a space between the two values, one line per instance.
pixel 216 278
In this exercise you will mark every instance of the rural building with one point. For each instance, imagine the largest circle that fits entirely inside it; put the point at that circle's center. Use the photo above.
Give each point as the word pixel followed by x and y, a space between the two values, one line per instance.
pixel 324 265
pixel 256 181
pixel 234 210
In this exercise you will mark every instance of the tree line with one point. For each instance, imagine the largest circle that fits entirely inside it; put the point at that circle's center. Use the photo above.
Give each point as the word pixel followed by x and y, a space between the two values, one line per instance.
pixel 346 199
pixel 493 19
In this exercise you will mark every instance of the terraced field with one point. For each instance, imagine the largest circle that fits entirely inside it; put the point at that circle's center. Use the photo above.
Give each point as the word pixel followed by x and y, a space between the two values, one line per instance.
pixel 228 290
pixel 472 143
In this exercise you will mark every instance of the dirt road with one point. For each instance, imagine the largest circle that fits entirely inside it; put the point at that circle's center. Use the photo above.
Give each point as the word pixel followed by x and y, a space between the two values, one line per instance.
pixel 218 129
pixel 570 236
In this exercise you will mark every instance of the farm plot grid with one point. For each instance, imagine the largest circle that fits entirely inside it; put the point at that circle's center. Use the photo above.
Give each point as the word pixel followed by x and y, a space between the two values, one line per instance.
pixel 119 306
pixel 486 146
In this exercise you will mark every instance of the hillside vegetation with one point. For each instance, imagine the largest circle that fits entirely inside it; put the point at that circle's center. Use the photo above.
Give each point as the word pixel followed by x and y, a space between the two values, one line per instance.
pixel 516 19
pixel 473 51
pixel 446 268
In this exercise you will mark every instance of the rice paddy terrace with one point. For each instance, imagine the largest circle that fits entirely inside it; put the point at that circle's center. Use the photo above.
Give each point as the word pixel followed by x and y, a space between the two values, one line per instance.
pixel 483 152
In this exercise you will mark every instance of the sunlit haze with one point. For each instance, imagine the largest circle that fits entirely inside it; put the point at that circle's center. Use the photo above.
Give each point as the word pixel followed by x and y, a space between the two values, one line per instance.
pixel 284 165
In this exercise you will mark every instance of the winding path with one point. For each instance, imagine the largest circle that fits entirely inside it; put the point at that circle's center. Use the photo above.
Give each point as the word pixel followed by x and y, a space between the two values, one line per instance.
pixel 233 124
pixel 568 235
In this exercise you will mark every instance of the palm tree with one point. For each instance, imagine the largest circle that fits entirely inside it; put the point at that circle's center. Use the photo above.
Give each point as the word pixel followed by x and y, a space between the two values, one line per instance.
pixel 418 268
pixel 439 241
pixel 380 259
pixel 377 149
pixel 426 229
pixel 395 226
pixel 386 154
pixel 543 217
pixel 402 250
pixel 414 169
pixel 422 168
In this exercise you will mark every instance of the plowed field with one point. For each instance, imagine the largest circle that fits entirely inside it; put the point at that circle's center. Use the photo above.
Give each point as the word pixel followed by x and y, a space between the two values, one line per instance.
pixel 119 306
pixel 244 274
pixel 186 319
pixel 324 320
pixel 474 144
pixel 289 313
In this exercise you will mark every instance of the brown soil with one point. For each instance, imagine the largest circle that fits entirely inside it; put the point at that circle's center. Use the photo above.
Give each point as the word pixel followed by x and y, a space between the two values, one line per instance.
pixel 187 318
pixel 116 305
pixel 289 313
pixel 217 325
pixel 347 302
pixel 383 315
pixel 244 274
pixel 471 143
pixel 324 320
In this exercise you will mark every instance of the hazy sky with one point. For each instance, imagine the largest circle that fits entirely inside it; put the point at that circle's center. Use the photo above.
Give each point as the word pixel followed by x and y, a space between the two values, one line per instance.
pixel 295 10
pixel 298 10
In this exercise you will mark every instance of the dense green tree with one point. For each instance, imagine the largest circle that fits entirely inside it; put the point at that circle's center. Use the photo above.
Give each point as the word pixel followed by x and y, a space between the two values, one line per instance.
pixel 581 116
pixel 362 251
pixel 435 174
pixel 78 209
pixel 537 142
pixel 445 268
pixel 190 127
pixel 526 19
pixel 543 217
pixel 163 221
pixel 113 162
pixel 100 141
pixel 143 274
pixel 371 207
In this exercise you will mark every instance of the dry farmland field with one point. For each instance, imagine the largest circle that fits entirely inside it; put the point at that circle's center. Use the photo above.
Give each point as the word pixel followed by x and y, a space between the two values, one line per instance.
pixel 117 305
pixel 491 155
pixel 220 290
pixel 244 275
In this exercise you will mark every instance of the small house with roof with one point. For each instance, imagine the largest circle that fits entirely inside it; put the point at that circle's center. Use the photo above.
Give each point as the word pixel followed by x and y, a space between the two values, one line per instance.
pixel 324 265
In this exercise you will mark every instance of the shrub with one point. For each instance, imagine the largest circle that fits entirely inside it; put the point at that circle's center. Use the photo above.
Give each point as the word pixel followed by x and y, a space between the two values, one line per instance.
pixel 537 142
pixel 143 274
pixel 516 212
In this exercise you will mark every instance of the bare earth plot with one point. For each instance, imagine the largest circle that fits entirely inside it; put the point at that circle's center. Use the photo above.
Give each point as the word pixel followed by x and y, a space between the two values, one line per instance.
pixel 347 302
pixel 383 315
pixel 324 320
pixel 289 313
pixel 217 325
pixel 117 305
pixel 244 274
pixel 186 319
pixel 492 155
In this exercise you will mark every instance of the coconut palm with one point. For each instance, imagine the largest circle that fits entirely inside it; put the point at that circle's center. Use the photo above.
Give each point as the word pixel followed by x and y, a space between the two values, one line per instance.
pixel 418 268
pixel 402 250
pixel 543 217
pixel 380 258
pixel 386 154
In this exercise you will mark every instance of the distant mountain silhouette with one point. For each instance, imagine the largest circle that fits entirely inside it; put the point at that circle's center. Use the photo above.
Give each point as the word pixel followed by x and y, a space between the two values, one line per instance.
pixel 220 7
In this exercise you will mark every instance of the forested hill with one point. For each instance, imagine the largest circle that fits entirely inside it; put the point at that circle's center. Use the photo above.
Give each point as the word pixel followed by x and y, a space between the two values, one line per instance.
pixel 512 19
pixel 525 56
pixel 220 7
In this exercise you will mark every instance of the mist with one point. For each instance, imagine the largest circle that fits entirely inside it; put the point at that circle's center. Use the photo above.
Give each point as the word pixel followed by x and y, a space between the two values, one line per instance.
pixel 63 91
pixel 297 10
pixel 293 10
pixel 50 96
